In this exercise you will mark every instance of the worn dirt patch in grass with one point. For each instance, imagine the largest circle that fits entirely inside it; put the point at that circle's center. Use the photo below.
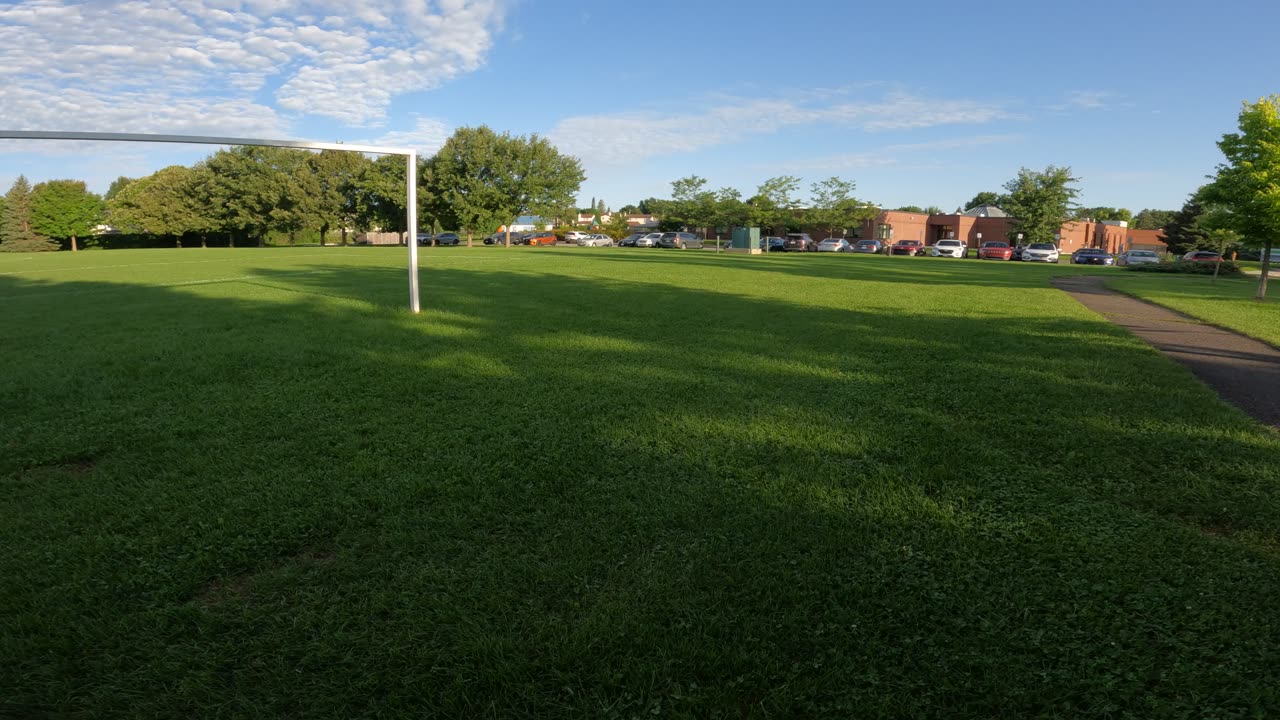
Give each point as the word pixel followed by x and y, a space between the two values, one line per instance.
pixel 239 588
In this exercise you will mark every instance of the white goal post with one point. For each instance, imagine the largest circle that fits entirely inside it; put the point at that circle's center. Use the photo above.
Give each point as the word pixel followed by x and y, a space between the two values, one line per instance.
pixel 411 169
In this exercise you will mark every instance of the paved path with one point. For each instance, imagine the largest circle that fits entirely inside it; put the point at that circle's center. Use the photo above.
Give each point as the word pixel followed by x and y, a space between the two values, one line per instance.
pixel 1244 371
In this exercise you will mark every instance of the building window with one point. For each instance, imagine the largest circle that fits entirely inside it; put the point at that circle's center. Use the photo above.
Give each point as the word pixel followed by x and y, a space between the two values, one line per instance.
pixel 884 231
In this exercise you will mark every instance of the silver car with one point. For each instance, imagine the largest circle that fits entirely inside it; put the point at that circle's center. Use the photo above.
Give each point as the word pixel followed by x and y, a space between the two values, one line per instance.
pixel 1040 252
pixel 1137 257
pixel 835 245
pixel 650 240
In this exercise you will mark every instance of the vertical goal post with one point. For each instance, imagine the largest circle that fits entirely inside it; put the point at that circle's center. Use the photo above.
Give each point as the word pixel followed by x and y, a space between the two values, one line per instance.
pixel 411 169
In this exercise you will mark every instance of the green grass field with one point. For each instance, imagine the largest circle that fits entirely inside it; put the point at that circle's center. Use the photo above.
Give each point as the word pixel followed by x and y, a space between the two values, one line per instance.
pixel 614 484
pixel 1228 303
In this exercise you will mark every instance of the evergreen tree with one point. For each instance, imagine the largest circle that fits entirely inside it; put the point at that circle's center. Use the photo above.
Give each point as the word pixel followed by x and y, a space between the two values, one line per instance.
pixel 1184 233
pixel 16 232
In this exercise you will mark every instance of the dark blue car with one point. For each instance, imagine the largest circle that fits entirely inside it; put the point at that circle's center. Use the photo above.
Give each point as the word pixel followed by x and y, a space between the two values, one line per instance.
pixel 1091 256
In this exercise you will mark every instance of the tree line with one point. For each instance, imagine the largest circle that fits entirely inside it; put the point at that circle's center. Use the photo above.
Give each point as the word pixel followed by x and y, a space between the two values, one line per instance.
pixel 479 180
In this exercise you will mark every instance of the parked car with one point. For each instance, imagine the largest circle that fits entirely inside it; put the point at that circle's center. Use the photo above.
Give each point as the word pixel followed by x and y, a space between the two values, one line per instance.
pixel 1137 257
pixel 681 240
pixel 1040 252
pixel 773 244
pixel 650 240
pixel 425 239
pixel 448 238
pixel 1017 252
pixel 799 242
pixel 596 241
pixel 871 247
pixel 837 245
pixel 949 248
pixel 995 251
pixel 545 237
pixel 1091 256
pixel 630 240
pixel 1202 256
pixel 907 247
pixel 576 235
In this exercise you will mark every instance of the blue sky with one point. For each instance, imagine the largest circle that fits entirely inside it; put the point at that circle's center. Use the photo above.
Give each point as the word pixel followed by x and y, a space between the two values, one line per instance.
pixel 922 103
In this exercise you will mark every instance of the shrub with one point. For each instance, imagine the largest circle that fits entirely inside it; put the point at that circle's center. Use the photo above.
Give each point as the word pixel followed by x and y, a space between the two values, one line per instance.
pixel 1188 268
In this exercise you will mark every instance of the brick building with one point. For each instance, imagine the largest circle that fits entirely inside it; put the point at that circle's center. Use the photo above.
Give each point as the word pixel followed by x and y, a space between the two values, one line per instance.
pixel 986 223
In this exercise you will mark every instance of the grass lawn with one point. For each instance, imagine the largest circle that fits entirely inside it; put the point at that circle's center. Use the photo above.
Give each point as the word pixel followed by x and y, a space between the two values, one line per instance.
pixel 1229 303
pixel 614 483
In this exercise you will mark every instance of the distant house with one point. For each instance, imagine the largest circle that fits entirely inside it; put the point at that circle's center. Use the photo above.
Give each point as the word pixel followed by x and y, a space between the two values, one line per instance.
pixel 642 221
pixel 529 223
pixel 588 219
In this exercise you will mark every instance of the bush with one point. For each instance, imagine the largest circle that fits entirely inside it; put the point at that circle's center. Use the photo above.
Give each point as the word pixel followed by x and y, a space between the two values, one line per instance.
pixel 1187 268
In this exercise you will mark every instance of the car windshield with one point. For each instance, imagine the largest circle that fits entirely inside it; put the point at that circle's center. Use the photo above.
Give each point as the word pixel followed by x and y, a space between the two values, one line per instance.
pixel 948 242
pixel 909 242
pixel 1142 253
pixel 995 245
pixel 1039 246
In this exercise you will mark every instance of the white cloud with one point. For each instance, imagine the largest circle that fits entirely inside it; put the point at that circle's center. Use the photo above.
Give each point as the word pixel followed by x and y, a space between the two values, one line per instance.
pixel 620 138
pixel 896 154
pixel 1085 100
pixel 184 65
pixel 427 136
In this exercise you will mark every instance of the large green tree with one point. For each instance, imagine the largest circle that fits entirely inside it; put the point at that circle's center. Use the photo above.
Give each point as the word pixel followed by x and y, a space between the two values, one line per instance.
pixel 484 179
pixel 728 209
pixel 117 185
pixel 167 202
pixel 774 204
pixel 691 204
pixel 986 197
pixel 833 206
pixel 1103 213
pixel 337 174
pixel 258 190
pixel 1149 219
pixel 16 231
pixel 64 210
pixel 1040 202
pixel 1247 185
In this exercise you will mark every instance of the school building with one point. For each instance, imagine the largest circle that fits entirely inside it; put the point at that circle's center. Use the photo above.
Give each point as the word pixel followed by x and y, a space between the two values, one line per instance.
pixel 987 223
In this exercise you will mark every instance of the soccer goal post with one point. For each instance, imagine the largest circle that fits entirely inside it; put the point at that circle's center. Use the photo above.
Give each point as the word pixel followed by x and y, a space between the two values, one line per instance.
pixel 411 169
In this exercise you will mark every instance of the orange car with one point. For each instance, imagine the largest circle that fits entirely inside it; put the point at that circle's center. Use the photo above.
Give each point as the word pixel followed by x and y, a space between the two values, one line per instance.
pixel 542 238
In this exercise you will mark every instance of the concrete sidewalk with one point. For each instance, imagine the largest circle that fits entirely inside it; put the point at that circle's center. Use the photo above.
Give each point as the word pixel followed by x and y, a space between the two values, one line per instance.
pixel 1244 371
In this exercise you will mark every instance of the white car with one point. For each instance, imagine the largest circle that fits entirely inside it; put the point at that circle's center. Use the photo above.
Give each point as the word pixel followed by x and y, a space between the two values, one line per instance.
pixel 575 235
pixel 836 245
pixel 950 248
pixel 650 240
pixel 596 241
pixel 1040 252
pixel 1137 257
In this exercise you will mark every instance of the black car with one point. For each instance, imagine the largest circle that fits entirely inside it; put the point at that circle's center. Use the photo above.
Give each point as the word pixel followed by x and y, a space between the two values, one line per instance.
pixel 773 244
pixel 1092 256
pixel 448 239
pixel 630 240
pixel 1017 252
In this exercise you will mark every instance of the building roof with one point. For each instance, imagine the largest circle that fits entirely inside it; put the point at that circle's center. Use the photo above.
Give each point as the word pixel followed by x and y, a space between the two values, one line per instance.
pixel 985 211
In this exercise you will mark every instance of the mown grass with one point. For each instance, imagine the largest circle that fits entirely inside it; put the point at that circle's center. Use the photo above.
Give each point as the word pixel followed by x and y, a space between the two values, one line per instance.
pixel 1228 303
pixel 611 483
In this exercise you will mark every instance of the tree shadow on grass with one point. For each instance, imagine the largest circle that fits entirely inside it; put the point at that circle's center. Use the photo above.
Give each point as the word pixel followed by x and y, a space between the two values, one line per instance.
pixel 556 496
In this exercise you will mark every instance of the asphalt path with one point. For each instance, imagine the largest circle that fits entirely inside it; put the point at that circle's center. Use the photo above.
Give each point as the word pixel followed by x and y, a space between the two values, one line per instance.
pixel 1244 371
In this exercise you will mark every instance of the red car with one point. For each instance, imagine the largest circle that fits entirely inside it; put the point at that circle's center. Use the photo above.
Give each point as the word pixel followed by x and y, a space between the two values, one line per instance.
pixel 907 247
pixel 542 238
pixel 995 251
pixel 1202 256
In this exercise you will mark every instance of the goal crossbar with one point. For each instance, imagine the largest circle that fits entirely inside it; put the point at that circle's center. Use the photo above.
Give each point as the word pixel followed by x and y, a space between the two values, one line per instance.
pixel 411 169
